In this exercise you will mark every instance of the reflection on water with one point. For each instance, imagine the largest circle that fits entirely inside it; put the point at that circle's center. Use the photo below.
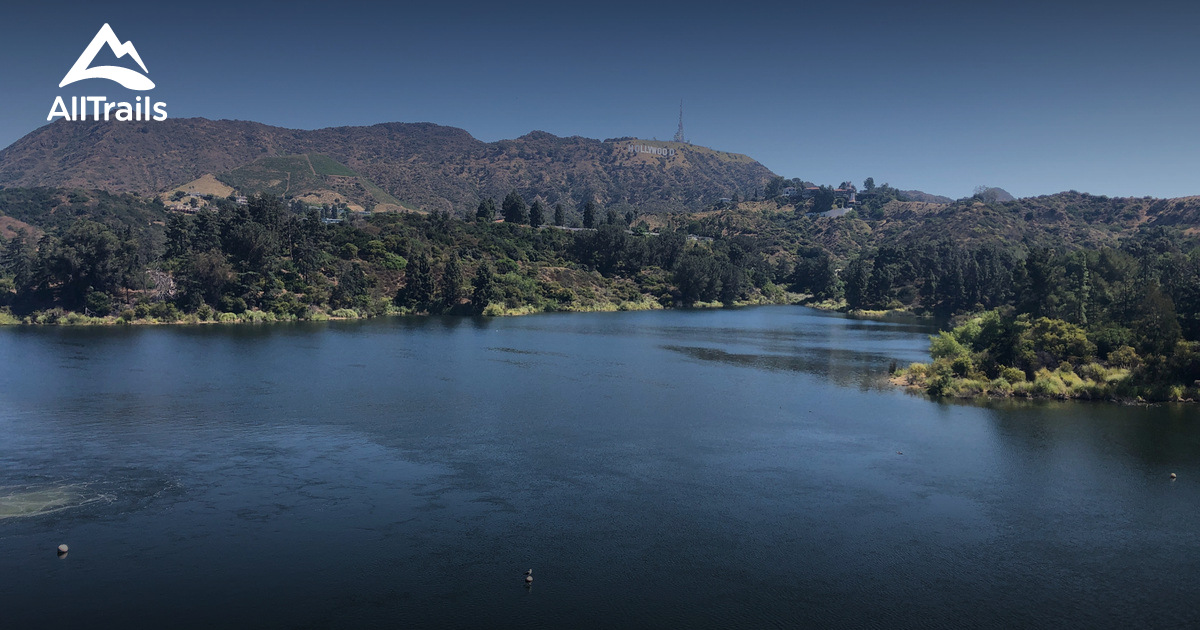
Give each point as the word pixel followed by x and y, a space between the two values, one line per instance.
pixel 849 368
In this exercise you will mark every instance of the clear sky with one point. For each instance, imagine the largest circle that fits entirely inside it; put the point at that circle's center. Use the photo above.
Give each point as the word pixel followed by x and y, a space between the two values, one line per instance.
pixel 1034 97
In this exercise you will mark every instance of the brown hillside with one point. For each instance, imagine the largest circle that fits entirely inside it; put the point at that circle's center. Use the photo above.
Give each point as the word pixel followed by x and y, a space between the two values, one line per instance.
pixel 422 164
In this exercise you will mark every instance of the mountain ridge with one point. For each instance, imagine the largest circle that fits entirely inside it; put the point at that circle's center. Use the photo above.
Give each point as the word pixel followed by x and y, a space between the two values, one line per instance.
pixel 430 166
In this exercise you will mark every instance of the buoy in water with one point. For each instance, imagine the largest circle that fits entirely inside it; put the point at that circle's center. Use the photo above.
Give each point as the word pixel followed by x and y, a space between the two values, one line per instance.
pixel 1172 475
pixel 62 550
pixel 529 576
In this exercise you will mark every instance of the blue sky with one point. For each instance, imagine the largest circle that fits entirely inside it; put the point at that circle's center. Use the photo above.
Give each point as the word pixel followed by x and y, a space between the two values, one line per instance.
pixel 938 96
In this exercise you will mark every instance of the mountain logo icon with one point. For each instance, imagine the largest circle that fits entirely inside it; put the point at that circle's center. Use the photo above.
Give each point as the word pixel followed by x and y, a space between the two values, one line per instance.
pixel 131 79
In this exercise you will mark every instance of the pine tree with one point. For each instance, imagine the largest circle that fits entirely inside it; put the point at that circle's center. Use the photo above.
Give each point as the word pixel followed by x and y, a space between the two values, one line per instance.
pixel 858 278
pixel 537 214
pixel 418 287
pixel 452 281
pixel 589 214
pixel 179 235
pixel 560 217
pixel 514 209
pixel 486 213
pixel 18 260
pixel 484 288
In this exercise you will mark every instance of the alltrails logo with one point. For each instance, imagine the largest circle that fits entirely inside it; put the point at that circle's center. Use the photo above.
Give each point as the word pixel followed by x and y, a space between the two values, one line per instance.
pixel 101 108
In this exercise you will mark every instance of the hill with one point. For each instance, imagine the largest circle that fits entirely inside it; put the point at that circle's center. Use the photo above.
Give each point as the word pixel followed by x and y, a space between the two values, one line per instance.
pixel 918 195
pixel 422 165
pixel 1063 221
pixel 313 178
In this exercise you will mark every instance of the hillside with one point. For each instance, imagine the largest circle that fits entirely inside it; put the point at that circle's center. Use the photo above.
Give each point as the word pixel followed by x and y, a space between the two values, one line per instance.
pixel 422 165
pixel 922 196
pixel 313 178
pixel 1067 220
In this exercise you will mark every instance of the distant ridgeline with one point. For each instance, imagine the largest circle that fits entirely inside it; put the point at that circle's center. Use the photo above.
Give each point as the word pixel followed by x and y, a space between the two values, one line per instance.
pixel 419 166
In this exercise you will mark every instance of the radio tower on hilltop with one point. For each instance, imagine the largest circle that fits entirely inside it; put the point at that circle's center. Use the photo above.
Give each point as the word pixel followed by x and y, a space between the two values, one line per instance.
pixel 679 134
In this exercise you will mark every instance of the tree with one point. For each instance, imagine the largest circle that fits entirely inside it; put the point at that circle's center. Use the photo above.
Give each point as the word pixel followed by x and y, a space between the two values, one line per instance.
pixel 514 209
pixel 697 278
pixel 179 235
pixel 986 194
pixel 560 217
pixel 18 260
pixel 484 290
pixel 205 276
pixel 824 199
pixel 815 274
pixel 418 287
pixel 537 214
pixel 858 279
pixel 589 214
pixel 774 187
pixel 869 185
pixel 1157 324
pixel 206 231
pixel 452 281
pixel 486 212
pixel 88 258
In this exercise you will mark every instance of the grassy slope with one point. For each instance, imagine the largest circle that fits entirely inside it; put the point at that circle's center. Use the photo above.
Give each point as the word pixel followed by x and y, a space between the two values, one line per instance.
pixel 314 178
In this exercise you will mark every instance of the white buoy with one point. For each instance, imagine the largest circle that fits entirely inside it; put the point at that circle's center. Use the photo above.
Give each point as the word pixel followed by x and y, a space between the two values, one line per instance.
pixel 529 576
pixel 1172 475
pixel 62 549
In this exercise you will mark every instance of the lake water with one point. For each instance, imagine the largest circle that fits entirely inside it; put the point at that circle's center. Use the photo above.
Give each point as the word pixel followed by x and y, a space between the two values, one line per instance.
pixel 682 469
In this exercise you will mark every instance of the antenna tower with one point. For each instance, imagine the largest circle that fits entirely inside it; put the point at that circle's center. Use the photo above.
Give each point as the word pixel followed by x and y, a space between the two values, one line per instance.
pixel 679 134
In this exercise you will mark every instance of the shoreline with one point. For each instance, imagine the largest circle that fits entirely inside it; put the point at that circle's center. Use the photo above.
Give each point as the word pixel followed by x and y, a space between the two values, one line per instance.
pixel 76 319
pixel 911 380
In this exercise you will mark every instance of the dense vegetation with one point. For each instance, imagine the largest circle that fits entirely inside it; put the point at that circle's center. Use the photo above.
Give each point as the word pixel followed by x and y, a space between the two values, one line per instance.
pixel 264 261
pixel 1121 274
pixel 1114 322
pixel 1065 295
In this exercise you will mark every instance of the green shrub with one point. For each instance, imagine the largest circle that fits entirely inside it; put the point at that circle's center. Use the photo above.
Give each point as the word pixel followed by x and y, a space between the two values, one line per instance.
pixel 227 318
pixel 165 312
pixel 1012 375
pixel 345 313
pixel 939 387
pixel 962 366
pixel 945 345
pixel 1069 378
pixel 1124 357
pixel 1093 372
pixel 999 386
pixel 917 370
pixel 968 388
pixel 1047 383
pixel 230 304
pixel 258 317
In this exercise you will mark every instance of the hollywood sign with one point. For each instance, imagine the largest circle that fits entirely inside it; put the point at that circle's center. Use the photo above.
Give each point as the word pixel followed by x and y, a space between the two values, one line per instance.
pixel 645 148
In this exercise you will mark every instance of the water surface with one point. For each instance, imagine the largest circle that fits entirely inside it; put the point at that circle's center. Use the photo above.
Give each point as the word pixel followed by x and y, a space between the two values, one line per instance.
pixel 700 469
